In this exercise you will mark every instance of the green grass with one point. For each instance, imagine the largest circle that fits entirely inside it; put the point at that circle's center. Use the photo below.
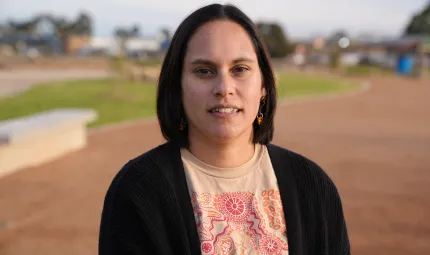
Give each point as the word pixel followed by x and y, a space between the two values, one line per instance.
pixel 137 99
pixel 299 85
pixel 365 70
pixel 150 63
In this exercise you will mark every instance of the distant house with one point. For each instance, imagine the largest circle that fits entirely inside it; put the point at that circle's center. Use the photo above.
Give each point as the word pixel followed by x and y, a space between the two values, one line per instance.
pixel 380 51
pixel 43 27
pixel 47 35
pixel 38 34
pixel 405 44
pixel 387 52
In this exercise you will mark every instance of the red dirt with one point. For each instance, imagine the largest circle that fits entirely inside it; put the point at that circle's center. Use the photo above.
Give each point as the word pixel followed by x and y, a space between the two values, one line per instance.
pixel 375 146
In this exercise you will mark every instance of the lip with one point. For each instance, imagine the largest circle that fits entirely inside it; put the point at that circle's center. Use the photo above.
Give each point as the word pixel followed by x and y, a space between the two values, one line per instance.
pixel 223 115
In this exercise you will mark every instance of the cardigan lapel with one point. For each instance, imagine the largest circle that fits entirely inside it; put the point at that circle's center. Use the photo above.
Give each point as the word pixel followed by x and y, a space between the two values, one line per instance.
pixel 289 196
pixel 181 188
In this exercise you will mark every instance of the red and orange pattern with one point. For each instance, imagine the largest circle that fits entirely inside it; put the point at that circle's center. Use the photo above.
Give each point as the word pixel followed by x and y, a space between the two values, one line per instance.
pixel 240 223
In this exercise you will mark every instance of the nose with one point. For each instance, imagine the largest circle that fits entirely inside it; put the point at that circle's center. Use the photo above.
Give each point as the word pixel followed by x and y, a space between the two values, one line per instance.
pixel 224 85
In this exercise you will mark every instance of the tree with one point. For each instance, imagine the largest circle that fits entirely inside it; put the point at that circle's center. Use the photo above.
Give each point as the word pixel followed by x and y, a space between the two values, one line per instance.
pixel 419 24
pixel 333 40
pixel 63 27
pixel 83 24
pixel 120 66
pixel 334 47
pixel 134 31
pixel 166 34
pixel 275 40
pixel 124 34
pixel 131 32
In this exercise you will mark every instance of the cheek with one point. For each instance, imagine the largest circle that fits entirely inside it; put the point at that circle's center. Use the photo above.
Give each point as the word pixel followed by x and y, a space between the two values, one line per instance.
pixel 253 95
pixel 192 95
pixel 254 107
pixel 189 94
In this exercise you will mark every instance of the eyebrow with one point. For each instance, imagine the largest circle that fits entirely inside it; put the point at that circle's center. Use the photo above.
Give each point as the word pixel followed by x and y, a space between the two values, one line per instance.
pixel 201 61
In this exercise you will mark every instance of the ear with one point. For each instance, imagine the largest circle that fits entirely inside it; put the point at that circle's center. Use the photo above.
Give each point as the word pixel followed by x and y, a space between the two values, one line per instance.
pixel 263 92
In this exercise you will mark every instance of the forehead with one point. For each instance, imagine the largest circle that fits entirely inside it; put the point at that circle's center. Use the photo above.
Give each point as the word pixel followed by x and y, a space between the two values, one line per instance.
pixel 220 40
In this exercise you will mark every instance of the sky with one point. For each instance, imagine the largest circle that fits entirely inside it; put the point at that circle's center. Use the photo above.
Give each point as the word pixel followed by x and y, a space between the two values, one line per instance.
pixel 299 18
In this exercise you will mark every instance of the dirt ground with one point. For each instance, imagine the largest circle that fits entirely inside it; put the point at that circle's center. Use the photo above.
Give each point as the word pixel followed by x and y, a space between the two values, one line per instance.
pixel 19 75
pixel 13 82
pixel 58 63
pixel 375 146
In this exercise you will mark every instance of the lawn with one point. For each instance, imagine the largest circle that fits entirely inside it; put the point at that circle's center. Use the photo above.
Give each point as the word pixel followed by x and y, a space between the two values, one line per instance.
pixel 366 70
pixel 137 99
pixel 300 85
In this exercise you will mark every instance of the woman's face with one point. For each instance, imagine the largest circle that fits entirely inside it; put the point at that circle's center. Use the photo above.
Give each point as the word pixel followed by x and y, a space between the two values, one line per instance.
pixel 221 82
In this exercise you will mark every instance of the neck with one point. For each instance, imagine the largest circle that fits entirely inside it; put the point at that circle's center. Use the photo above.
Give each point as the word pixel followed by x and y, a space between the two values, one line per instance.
pixel 222 154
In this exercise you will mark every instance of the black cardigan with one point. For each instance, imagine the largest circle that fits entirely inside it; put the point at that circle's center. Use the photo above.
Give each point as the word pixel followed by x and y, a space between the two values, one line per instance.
pixel 147 209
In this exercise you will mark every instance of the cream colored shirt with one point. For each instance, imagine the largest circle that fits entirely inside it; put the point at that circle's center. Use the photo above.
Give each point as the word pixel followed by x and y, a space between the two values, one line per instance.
pixel 237 210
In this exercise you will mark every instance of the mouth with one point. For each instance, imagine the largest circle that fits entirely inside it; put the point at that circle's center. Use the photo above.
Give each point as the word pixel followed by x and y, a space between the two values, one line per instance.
pixel 224 109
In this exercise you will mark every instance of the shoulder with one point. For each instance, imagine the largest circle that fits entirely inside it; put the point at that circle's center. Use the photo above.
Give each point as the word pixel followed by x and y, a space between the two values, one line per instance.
pixel 144 172
pixel 318 197
pixel 308 174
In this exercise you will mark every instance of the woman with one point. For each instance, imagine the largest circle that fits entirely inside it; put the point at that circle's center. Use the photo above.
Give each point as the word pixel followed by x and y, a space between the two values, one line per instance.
pixel 217 186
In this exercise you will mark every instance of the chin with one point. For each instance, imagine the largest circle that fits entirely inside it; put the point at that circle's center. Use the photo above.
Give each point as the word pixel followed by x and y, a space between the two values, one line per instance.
pixel 226 134
pixel 223 137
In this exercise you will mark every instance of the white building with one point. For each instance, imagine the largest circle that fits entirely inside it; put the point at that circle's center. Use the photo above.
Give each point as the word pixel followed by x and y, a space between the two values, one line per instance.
pixel 111 45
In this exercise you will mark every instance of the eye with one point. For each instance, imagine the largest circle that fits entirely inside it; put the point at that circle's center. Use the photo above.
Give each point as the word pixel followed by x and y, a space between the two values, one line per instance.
pixel 240 69
pixel 203 72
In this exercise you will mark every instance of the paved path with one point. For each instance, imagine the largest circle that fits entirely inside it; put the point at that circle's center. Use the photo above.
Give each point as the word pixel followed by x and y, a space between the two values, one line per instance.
pixel 13 82
pixel 374 145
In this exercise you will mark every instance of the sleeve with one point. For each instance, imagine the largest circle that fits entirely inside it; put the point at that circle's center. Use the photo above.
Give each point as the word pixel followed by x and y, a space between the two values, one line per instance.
pixel 336 225
pixel 120 230
pixel 336 234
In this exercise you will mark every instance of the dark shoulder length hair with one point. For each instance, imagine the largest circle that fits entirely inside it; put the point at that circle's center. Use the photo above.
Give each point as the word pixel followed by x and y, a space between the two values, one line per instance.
pixel 170 110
